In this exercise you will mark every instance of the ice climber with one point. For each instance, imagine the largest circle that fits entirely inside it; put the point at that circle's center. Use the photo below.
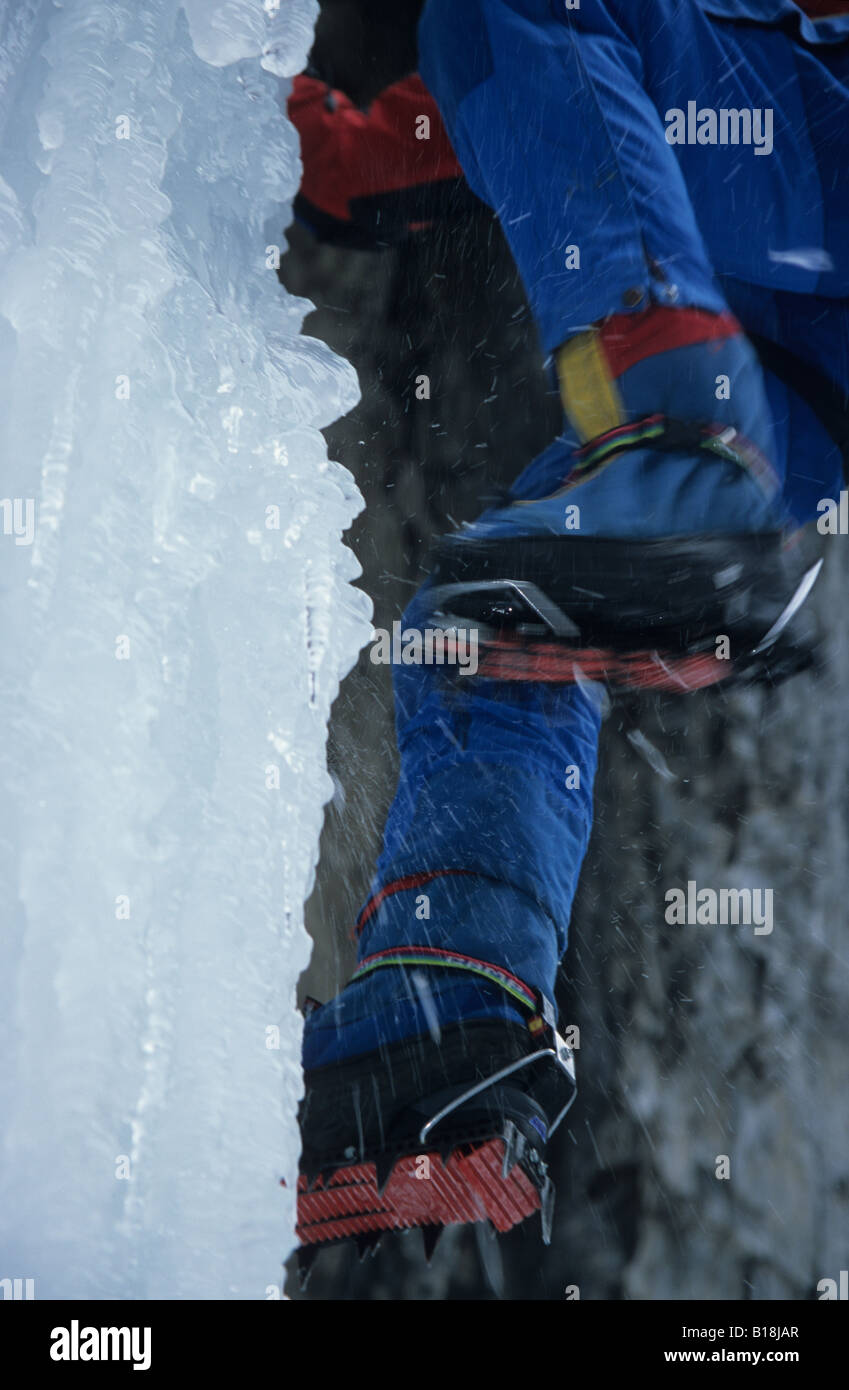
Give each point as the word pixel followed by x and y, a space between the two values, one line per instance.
pixel 672 177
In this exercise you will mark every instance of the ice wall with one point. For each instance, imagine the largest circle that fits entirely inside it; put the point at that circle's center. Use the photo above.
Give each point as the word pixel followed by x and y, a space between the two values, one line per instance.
pixel 176 615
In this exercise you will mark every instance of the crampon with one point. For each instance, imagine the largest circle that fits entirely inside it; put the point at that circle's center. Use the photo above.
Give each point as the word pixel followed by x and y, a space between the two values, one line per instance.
pixel 426 1134
pixel 678 614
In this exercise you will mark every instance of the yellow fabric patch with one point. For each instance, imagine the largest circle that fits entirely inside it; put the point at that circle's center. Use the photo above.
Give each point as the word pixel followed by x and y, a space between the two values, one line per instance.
pixel 588 392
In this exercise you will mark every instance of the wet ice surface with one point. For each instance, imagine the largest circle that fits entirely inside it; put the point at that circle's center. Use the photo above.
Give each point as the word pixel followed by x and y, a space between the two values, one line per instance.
pixel 169 653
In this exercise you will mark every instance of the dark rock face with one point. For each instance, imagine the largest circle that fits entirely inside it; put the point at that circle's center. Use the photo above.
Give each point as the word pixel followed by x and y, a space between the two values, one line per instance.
pixel 697 1042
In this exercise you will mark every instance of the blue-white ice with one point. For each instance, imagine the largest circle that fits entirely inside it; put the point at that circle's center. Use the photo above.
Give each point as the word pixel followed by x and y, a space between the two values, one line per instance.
pixel 169 653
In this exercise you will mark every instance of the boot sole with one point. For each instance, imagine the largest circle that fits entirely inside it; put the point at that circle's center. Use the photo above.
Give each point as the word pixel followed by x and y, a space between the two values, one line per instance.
pixel 468 1186
pixel 506 659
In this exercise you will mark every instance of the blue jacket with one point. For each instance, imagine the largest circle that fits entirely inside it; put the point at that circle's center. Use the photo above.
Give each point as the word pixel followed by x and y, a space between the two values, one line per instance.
pixel 557 117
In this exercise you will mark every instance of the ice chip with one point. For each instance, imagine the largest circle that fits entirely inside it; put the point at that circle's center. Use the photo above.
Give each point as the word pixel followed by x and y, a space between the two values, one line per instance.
pixel 806 257
pixel 594 691
pixel 652 755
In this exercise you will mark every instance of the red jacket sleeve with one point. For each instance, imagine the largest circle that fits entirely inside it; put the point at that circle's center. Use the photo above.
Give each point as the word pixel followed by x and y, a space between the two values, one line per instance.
pixel 371 177
pixel 822 9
